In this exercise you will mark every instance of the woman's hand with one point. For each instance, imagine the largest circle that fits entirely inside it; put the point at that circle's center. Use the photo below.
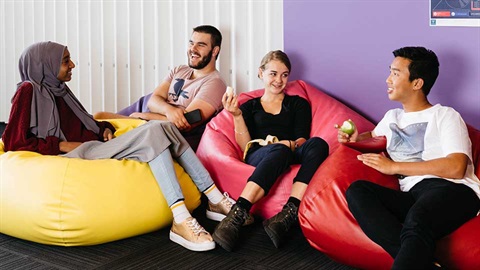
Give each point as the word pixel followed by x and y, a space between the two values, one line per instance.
pixel 230 104
pixel 107 134
pixel 299 142
pixel 66 147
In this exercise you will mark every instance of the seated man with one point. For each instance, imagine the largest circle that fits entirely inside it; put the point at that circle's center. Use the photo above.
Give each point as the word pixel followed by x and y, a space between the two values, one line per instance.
pixel 196 86
pixel 430 153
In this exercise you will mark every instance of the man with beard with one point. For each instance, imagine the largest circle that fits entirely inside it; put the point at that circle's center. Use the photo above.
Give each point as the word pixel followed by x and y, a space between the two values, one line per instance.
pixel 187 88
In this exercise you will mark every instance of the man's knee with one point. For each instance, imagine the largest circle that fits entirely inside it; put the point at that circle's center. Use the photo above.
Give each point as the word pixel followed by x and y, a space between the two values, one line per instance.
pixel 356 187
pixel 356 190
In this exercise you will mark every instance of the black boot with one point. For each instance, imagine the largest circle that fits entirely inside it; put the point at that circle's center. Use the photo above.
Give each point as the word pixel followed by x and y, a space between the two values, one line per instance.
pixel 228 230
pixel 278 225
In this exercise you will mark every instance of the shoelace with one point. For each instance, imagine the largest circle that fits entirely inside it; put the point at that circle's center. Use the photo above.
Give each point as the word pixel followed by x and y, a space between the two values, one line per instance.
pixel 196 227
pixel 229 202
pixel 239 217
pixel 290 218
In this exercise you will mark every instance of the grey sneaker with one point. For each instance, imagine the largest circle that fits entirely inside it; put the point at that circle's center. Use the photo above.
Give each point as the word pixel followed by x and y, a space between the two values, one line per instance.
pixel 279 225
pixel 220 210
pixel 228 230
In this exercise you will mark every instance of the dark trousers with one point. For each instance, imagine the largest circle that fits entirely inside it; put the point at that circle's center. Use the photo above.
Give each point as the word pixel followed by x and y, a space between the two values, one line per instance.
pixel 432 209
pixel 274 159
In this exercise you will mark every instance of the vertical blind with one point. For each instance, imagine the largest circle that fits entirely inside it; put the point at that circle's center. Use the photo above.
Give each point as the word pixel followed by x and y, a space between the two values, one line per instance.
pixel 123 49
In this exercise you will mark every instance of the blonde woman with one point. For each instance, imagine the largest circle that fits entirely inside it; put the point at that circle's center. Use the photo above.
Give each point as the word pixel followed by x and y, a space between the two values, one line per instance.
pixel 289 119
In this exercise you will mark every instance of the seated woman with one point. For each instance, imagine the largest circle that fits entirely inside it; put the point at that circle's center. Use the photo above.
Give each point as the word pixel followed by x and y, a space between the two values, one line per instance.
pixel 289 119
pixel 48 119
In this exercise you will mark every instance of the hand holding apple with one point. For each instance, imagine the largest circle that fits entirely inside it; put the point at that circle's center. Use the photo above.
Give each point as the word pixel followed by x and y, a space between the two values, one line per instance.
pixel 230 102
pixel 345 131
pixel 348 127
pixel 229 91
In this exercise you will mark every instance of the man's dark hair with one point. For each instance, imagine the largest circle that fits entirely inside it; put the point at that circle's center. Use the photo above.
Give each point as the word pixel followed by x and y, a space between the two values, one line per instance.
pixel 216 36
pixel 423 65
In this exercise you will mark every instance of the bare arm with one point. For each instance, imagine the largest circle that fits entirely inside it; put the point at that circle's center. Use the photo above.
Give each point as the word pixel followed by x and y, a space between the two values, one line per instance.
pixel 452 166
pixel 242 136
pixel 355 137
pixel 206 109
pixel 66 147
pixel 158 105
pixel 158 101
pixel 162 110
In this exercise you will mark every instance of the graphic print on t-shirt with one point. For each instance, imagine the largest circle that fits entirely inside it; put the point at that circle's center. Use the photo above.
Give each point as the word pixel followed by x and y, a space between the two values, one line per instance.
pixel 407 144
pixel 177 88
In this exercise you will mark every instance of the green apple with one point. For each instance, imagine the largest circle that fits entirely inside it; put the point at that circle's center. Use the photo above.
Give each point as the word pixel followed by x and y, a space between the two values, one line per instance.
pixel 348 127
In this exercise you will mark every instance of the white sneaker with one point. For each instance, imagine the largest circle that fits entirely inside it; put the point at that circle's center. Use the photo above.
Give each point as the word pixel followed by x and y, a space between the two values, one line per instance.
pixel 191 235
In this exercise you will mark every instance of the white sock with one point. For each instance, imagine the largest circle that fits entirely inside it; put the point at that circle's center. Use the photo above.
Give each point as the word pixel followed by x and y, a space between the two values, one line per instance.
pixel 180 212
pixel 213 194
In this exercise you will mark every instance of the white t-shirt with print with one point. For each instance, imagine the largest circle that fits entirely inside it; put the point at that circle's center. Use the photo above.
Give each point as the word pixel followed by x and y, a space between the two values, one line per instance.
pixel 425 135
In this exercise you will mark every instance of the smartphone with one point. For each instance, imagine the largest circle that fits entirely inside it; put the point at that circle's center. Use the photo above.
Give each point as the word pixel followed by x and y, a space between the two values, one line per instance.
pixel 193 116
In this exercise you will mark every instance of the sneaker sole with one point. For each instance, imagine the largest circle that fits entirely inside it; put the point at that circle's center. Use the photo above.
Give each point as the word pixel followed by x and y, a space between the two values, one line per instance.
pixel 222 243
pixel 189 245
pixel 215 216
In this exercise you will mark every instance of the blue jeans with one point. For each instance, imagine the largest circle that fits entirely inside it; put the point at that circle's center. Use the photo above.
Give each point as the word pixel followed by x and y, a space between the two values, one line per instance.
pixel 164 172
pixel 432 209
pixel 274 159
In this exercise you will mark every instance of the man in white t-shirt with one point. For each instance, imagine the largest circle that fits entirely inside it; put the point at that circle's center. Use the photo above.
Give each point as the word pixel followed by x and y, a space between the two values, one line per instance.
pixel 430 152
pixel 186 88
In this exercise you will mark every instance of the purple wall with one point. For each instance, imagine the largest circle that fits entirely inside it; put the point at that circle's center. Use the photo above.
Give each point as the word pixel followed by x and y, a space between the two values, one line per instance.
pixel 345 49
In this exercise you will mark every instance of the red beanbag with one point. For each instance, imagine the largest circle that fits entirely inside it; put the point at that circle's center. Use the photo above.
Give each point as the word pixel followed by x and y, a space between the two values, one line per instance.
pixel 326 220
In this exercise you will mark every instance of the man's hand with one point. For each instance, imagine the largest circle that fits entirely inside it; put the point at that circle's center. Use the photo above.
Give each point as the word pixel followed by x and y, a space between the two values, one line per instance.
pixel 107 135
pixel 344 137
pixel 176 116
pixel 378 162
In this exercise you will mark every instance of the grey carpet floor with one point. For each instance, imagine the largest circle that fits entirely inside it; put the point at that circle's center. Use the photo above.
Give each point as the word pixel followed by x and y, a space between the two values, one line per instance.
pixel 156 251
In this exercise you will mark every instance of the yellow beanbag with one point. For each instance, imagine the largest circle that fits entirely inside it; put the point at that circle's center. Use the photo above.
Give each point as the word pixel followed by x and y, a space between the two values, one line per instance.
pixel 71 202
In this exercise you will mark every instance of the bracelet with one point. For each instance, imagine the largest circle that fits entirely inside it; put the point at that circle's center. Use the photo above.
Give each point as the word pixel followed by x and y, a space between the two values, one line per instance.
pixel 238 114
pixel 240 133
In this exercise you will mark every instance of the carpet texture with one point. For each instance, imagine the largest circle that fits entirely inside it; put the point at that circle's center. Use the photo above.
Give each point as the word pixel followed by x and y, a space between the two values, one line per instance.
pixel 155 251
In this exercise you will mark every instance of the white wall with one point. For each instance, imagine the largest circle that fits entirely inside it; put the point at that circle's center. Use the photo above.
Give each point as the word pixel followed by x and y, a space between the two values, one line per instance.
pixel 123 49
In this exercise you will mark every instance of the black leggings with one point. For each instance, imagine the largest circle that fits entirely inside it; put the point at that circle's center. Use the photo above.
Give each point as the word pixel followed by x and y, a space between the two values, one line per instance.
pixel 432 209
pixel 274 159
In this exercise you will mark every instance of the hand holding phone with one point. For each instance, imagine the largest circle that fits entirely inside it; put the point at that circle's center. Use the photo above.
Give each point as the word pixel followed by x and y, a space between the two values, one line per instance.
pixel 193 116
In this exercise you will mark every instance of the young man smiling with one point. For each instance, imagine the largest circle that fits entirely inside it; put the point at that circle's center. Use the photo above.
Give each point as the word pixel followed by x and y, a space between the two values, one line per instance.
pixel 196 86
pixel 430 152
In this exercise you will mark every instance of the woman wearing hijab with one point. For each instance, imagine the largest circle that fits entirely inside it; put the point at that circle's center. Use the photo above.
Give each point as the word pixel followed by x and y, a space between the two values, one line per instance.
pixel 48 119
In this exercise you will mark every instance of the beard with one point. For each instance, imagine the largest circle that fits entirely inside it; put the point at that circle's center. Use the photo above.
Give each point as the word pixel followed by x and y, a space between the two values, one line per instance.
pixel 203 62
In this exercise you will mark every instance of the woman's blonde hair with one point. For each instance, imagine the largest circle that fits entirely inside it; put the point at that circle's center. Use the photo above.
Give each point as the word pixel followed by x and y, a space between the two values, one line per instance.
pixel 276 55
